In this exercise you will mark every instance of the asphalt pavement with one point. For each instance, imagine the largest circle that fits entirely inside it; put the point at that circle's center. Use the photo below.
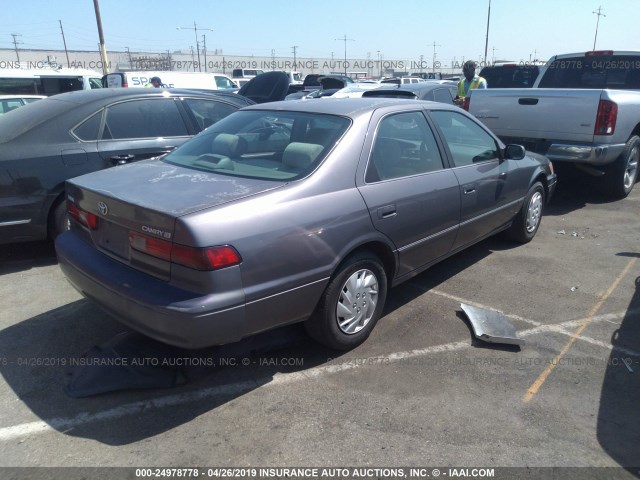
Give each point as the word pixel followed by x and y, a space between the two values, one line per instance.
pixel 422 391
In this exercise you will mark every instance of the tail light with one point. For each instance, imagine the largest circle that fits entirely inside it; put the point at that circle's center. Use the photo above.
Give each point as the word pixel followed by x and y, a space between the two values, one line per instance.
pixel 88 219
pixel 606 118
pixel 198 258
pixel 595 53
pixel 467 101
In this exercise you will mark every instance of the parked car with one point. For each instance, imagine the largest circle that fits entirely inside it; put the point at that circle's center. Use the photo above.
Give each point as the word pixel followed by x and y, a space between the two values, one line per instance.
pixel 11 102
pixel 47 142
pixel 584 110
pixel 314 83
pixel 294 211
pixel 200 80
pixel 47 81
pixel 431 90
pixel 402 80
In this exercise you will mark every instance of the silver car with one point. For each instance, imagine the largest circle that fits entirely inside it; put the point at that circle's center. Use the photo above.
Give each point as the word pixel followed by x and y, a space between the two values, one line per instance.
pixel 294 211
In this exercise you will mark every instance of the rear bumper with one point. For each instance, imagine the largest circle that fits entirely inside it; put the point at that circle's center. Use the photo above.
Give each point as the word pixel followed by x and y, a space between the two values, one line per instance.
pixel 589 154
pixel 151 306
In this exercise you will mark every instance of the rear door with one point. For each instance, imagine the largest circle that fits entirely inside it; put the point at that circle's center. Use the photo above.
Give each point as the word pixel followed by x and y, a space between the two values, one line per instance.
pixel 142 128
pixel 411 197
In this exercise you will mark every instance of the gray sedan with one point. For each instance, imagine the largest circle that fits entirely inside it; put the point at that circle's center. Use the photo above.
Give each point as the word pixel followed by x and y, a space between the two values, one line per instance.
pixel 294 211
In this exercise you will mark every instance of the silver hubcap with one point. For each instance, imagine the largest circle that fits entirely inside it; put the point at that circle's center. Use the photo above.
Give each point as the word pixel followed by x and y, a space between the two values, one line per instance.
pixel 632 168
pixel 357 301
pixel 534 212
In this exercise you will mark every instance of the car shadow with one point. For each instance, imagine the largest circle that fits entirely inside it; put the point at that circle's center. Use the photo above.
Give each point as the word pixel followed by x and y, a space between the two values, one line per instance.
pixel 576 190
pixel 18 257
pixel 618 416
pixel 42 354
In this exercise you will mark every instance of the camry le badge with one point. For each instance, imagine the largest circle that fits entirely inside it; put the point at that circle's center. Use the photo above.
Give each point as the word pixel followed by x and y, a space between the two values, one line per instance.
pixel 103 208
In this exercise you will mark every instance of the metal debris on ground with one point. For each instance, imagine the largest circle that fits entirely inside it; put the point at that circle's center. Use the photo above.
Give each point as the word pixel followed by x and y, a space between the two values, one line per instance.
pixel 491 326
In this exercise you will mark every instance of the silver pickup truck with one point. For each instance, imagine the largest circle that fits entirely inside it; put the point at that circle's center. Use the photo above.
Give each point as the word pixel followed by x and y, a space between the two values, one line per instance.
pixel 584 109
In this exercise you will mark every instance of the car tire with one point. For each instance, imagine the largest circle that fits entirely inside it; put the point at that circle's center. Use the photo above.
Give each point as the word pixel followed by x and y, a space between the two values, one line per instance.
pixel 351 304
pixel 59 221
pixel 526 223
pixel 623 173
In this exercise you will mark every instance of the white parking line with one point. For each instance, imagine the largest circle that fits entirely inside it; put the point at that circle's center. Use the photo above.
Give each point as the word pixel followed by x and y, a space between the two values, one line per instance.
pixel 479 305
pixel 62 424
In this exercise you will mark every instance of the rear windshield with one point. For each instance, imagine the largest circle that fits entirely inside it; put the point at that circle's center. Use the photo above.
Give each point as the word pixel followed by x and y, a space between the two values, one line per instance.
pixel 510 76
pixel 267 145
pixel 601 71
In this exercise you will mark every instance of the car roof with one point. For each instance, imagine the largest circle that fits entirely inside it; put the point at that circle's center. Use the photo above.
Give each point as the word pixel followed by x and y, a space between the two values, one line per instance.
pixel 83 102
pixel 100 94
pixel 349 107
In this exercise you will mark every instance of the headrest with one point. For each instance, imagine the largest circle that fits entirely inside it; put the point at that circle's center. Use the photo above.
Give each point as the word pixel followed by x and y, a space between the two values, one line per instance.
pixel 228 145
pixel 301 155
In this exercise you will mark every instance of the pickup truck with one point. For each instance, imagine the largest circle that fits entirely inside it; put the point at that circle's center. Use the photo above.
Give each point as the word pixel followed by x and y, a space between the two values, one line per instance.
pixel 584 109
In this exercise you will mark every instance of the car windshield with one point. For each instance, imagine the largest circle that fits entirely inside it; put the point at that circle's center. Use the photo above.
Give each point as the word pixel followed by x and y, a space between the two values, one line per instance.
pixel 268 145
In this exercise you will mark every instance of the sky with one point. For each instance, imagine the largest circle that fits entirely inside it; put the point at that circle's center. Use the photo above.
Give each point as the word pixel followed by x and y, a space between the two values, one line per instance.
pixel 520 30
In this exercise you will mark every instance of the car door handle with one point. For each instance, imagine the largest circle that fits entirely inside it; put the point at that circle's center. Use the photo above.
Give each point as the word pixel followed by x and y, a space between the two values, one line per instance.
pixel 387 211
pixel 121 159
pixel 469 190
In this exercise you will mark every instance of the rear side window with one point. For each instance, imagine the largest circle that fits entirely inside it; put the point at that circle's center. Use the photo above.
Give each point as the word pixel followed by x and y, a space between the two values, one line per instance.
pixel 404 146
pixel 598 71
pixel 510 76
pixel 208 112
pixel 144 119
pixel 88 130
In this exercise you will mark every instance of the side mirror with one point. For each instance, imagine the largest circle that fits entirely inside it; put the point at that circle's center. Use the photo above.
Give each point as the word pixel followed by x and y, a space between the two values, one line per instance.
pixel 514 152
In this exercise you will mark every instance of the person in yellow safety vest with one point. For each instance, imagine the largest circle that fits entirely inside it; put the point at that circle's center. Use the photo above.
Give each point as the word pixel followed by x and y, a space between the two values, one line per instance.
pixel 155 82
pixel 470 81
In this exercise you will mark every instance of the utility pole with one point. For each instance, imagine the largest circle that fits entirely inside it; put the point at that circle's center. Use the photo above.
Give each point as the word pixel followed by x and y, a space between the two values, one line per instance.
pixel 486 41
pixel 345 39
pixel 129 55
pixel 599 14
pixel 65 44
pixel 273 58
pixel 103 49
pixel 434 56
pixel 15 44
pixel 493 55
pixel 195 31
pixel 294 49
pixel 204 50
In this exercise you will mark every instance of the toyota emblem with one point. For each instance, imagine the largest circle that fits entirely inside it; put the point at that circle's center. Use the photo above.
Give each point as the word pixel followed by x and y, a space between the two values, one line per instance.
pixel 103 208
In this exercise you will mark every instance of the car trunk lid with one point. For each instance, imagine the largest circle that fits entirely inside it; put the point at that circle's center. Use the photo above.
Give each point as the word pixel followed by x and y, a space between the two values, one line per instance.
pixel 136 207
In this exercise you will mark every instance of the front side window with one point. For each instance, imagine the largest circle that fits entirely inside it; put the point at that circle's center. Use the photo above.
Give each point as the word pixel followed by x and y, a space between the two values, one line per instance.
pixel 224 83
pixel 467 141
pixel 269 145
pixel 148 118
pixel 404 146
